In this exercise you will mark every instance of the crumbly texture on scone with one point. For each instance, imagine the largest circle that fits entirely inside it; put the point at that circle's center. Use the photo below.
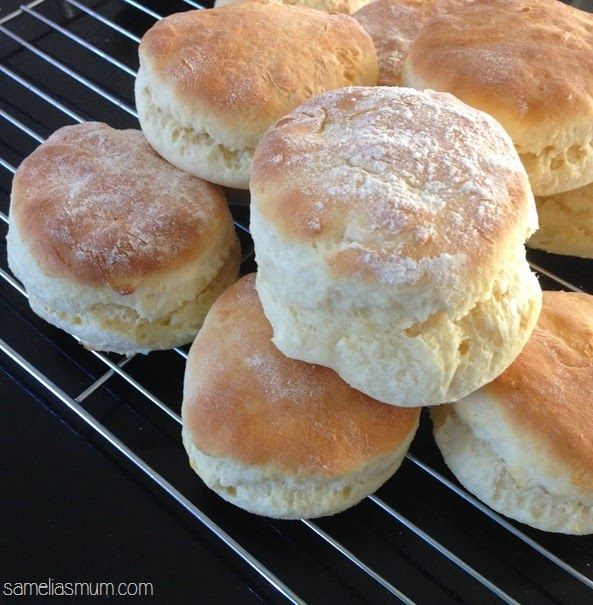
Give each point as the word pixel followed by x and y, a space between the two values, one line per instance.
pixel 429 362
pixel 191 147
pixel 211 82
pixel 275 435
pixel 526 432
pixel 393 25
pixel 329 6
pixel 565 223
pixel 115 245
pixel 528 63
pixel 389 228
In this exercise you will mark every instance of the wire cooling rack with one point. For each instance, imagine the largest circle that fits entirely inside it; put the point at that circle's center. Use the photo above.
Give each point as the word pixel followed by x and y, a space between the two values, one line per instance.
pixel 423 538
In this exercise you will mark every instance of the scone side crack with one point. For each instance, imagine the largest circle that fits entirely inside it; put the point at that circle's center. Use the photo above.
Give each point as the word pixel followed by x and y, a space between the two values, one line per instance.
pixel 189 135
pixel 136 317
pixel 120 328
pixel 551 161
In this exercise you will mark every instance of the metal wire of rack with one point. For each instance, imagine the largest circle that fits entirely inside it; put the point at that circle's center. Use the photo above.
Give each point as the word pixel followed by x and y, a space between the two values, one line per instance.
pixel 21 28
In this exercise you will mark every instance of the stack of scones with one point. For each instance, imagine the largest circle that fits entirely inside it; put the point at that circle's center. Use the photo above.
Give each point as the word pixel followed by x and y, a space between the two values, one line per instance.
pixel 389 225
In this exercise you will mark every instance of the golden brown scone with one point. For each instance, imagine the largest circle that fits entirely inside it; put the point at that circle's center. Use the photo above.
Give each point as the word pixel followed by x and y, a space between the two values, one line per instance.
pixel 528 63
pixel 211 82
pixel 115 245
pixel 329 6
pixel 393 25
pixel 523 443
pixel 389 228
pixel 565 223
pixel 280 437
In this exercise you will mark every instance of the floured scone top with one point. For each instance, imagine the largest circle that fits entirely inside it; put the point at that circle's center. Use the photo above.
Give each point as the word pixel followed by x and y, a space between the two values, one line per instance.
pixel 529 430
pixel 110 240
pixel 379 200
pixel 528 63
pixel 393 25
pixel 278 436
pixel 99 206
pixel 211 82
pixel 394 187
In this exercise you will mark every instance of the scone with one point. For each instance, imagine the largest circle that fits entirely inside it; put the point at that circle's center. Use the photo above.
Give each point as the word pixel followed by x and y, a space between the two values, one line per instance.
pixel 523 444
pixel 115 245
pixel 389 228
pixel 280 437
pixel 528 63
pixel 393 25
pixel 211 82
pixel 565 223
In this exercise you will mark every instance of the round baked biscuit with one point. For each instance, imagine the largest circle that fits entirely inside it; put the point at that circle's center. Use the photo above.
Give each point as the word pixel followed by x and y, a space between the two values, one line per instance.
pixel 393 25
pixel 115 245
pixel 329 6
pixel 528 63
pixel 523 443
pixel 565 223
pixel 211 82
pixel 389 228
pixel 280 437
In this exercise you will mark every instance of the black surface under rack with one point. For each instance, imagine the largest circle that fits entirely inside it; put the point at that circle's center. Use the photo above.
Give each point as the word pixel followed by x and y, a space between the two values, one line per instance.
pixel 422 538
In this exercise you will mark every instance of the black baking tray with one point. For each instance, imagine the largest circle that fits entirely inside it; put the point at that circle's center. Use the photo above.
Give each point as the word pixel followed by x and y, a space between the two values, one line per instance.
pixel 74 508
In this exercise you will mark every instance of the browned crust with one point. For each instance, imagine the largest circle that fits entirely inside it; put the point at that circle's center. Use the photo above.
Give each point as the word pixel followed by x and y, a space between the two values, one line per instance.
pixel 245 400
pixel 363 160
pixel 252 62
pixel 548 390
pixel 522 61
pixel 99 206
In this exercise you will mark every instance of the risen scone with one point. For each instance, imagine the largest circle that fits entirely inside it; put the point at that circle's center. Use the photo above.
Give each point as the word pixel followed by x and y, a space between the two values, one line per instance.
pixel 565 223
pixel 116 246
pixel 280 437
pixel 389 228
pixel 212 82
pixel 329 6
pixel 393 25
pixel 528 63
pixel 524 443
